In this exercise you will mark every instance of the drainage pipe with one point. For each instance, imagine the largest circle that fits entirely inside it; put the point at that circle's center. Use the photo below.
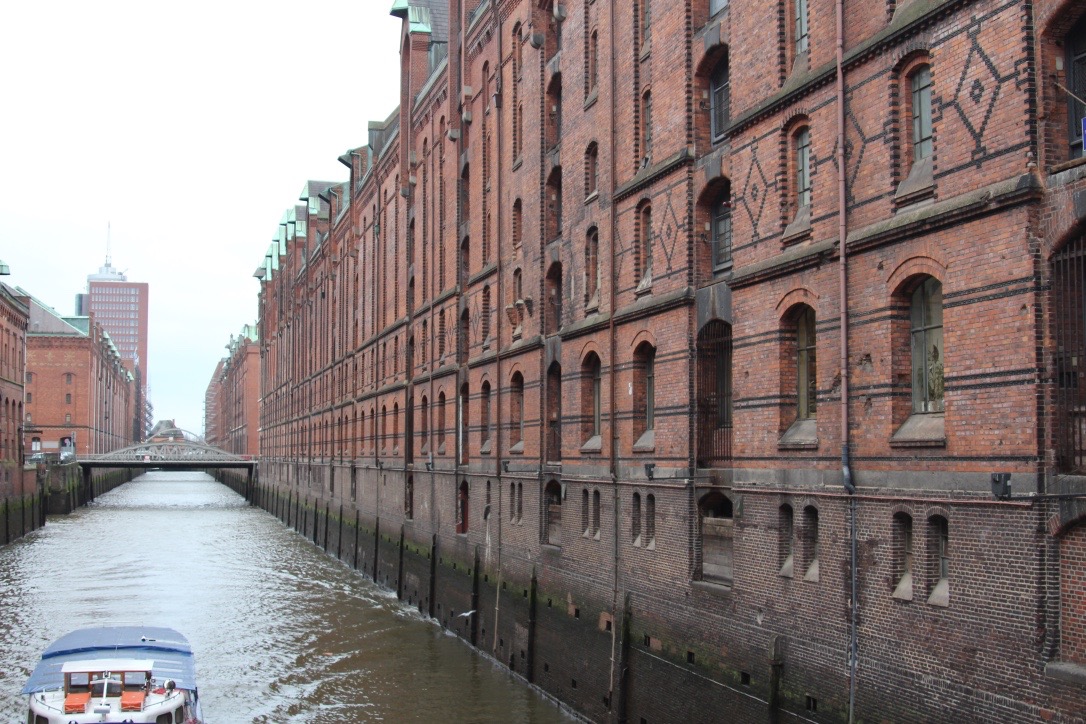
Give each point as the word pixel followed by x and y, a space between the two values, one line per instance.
pixel 846 471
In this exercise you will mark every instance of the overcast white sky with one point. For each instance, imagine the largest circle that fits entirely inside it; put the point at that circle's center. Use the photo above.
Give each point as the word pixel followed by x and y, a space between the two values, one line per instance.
pixel 189 127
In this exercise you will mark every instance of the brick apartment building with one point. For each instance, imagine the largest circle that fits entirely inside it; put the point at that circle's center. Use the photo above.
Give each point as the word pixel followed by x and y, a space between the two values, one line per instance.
pixel 232 401
pixel 14 317
pixel 680 341
pixel 79 394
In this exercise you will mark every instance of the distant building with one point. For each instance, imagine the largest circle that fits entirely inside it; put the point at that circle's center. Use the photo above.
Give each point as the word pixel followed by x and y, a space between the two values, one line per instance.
pixel 121 307
pixel 79 394
pixel 232 400
pixel 212 430
pixel 14 317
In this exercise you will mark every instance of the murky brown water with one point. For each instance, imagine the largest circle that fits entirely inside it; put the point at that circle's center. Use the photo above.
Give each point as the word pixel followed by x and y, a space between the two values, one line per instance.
pixel 282 632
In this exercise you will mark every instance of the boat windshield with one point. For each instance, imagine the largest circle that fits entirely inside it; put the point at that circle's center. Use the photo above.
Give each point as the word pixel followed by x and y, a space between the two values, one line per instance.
pixel 106 687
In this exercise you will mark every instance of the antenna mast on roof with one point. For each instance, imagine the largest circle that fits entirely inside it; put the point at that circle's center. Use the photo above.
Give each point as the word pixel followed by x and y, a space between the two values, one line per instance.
pixel 107 241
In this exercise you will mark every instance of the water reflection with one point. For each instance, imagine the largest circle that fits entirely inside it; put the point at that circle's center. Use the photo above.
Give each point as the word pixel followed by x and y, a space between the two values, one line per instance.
pixel 282 632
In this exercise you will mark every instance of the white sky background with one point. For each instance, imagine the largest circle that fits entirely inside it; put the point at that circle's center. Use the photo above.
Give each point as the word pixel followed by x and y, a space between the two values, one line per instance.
pixel 190 127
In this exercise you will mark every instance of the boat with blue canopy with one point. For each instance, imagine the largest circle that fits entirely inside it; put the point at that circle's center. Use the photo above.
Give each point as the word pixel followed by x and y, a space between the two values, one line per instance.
pixel 115 674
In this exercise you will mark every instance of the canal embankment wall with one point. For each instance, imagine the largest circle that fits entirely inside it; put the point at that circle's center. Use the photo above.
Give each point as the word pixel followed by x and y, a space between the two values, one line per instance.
pixel 569 630
pixel 37 491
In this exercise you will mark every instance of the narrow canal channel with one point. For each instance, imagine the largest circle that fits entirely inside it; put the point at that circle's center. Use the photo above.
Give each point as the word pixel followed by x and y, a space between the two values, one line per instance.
pixel 282 632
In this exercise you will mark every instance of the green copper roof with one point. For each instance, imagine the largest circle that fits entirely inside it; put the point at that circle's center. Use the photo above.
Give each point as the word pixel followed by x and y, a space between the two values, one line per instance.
pixel 399 8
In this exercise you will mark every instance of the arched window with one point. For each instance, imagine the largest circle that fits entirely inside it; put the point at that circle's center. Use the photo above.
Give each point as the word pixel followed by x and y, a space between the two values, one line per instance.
pixel 553 311
pixel 635 519
pixel 486 316
pixel 554 205
pixel 591 402
pixel 646 128
pixel 801 158
pixel 926 335
pixel 441 426
pixel 810 542
pixel 462 508
pixel 424 424
pixel 920 106
pixel 644 245
pixel 596 514
pixel 484 422
pixel 586 524
pixel 650 521
pixel 516 412
pixel 591 169
pixel 714 398
pixel 644 396
pixel 593 64
pixel 554 412
pixel 552 494
pixel 785 540
pixel 938 561
pixel 592 268
pixel 720 98
pixel 717 533
pixel 903 556
pixel 517 225
pixel 720 225
pixel 463 444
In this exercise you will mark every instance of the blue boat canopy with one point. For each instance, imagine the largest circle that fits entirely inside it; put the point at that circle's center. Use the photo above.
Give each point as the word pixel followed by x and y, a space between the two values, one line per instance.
pixel 168 649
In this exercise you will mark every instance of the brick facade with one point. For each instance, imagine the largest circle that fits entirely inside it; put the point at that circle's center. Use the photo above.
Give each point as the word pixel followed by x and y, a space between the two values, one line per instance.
pixel 654 188
pixel 78 388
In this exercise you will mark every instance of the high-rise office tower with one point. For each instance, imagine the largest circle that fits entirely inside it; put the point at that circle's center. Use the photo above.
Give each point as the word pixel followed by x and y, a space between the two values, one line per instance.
pixel 121 307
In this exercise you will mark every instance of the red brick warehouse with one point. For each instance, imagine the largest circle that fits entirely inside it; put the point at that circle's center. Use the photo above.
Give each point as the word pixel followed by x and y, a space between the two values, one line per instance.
pixel 678 342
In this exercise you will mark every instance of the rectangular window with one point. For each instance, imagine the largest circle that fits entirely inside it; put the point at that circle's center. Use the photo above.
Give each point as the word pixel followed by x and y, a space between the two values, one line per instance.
pixel 807 382
pixel 722 235
pixel 921 102
pixel 803 167
pixel 650 392
pixel 801 26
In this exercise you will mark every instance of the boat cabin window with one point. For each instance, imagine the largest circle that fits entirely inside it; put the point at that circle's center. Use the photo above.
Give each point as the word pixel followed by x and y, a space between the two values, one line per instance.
pixel 78 683
pixel 136 680
pixel 111 686
pixel 166 718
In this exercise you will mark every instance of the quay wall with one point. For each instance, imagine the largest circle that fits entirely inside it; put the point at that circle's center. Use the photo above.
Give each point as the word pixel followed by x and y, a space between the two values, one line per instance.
pixel 610 646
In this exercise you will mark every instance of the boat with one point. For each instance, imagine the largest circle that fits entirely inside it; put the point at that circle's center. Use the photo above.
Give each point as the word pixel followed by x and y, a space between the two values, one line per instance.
pixel 115 674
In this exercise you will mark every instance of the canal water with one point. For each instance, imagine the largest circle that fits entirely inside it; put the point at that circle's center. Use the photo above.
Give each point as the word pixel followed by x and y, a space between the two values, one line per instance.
pixel 281 631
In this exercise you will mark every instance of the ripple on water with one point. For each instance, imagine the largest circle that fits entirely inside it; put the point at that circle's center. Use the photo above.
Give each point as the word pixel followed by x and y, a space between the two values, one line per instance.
pixel 282 631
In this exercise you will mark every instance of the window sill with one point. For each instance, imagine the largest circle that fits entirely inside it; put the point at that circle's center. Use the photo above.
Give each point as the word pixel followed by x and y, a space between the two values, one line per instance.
pixel 812 572
pixel 517 449
pixel 594 444
pixel 918 186
pixel 593 96
pixel 646 49
pixel 645 286
pixel 1066 671
pixel 802 435
pixel 800 228
pixel 788 567
pixel 591 197
pixel 904 590
pixel 485 448
pixel 940 595
pixel 716 589
pixel 518 162
pixel 646 443
pixel 921 430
